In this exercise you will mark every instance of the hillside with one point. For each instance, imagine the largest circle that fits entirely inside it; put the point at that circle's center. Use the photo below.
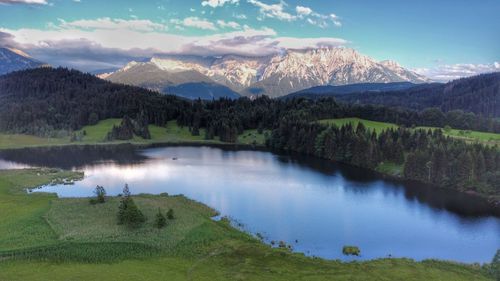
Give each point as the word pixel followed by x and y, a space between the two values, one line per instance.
pixel 322 91
pixel 58 98
pixel 201 90
pixel 479 94
pixel 14 59
pixel 185 83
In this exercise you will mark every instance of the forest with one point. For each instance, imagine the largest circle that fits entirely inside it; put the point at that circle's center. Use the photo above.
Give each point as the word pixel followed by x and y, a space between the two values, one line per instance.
pixel 59 101
pixel 426 155
pixel 479 95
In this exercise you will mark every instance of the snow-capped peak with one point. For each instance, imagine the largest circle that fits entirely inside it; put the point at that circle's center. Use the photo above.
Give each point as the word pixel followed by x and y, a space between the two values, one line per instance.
pixel 19 52
pixel 286 72
pixel 390 63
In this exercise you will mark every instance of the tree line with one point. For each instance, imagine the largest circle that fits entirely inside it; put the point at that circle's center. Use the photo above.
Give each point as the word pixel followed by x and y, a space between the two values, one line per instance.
pixel 57 101
pixel 478 94
pixel 425 155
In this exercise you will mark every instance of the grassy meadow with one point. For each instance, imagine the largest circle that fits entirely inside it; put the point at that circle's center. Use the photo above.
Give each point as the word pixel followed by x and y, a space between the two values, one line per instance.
pixel 43 237
pixel 373 125
pixel 467 135
pixel 96 134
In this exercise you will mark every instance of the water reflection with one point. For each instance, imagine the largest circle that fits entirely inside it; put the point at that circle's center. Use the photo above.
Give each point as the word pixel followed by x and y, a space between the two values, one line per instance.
pixel 321 204
pixel 69 157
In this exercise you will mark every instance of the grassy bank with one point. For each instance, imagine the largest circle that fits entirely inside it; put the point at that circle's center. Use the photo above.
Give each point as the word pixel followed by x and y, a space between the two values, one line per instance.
pixel 43 237
pixel 373 125
pixel 96 134
pixel 467 135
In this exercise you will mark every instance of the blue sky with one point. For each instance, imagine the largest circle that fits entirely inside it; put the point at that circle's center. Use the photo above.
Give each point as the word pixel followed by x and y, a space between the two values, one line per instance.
pixel 430 36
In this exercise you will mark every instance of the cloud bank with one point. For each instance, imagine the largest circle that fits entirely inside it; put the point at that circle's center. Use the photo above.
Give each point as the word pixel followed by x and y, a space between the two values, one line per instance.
pixel 36 2
pixel 108 43
pixel 218 3
pixel 448 72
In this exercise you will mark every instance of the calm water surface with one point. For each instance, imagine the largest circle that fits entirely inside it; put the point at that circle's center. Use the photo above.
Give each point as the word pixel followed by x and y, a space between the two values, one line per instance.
pixel 322 205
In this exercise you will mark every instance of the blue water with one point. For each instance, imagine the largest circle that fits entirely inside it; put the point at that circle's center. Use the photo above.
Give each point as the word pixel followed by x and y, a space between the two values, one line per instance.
pixel 314 205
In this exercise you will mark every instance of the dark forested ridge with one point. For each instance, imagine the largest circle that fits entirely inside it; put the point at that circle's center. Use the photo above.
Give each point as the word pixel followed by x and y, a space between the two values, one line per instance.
pixel 40 101
pixel 318 91
pixel 479 94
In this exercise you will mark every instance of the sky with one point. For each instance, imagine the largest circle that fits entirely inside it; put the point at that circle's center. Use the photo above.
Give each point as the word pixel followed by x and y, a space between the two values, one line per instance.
pixel 443 39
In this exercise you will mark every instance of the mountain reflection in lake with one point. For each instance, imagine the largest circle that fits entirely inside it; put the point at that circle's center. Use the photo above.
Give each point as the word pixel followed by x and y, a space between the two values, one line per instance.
pixel 321 204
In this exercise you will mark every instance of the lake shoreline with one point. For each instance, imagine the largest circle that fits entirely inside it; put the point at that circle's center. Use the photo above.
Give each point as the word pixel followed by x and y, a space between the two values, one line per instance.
pixel 490 200
pixel 6 256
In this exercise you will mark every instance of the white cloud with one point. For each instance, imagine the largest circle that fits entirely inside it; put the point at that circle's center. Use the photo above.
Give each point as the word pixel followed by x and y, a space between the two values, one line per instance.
pixel 303 11
pixel 38 2
pixel 80 44
pixel 218 3
pixel 195 22
pixel 335 19
pixel 444 72
pixel 308 43
pixel 113 24
pixel 229 24
pixel 240 16
pixel 276 11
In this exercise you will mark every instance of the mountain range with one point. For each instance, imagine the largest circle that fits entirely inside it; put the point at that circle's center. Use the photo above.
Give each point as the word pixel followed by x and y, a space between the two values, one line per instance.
pixel 12 59
pixel 274 76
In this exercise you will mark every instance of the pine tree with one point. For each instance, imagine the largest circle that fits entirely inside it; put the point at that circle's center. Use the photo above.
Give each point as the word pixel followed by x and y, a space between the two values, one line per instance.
pixel 465 168
pixel 100 193
pixel 495 266
pixel 160 220
pixel 128 212
pixel 480 166
pixel 170 214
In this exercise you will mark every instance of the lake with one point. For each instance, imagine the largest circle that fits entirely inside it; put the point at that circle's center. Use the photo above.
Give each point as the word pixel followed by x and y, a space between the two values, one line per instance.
pixel 315 205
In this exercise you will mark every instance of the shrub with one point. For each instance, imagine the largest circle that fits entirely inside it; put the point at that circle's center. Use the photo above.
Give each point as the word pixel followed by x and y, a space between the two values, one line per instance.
pixel 495 266
pixel 170 214
pixel 160 220
pixel 128 212
pixel 351 250
pixel 100 194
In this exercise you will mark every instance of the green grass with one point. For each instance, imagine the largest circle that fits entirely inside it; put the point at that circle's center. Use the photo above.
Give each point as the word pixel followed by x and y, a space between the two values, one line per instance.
pixel 96 134
pixel 253 137
pixel 390 168
pixel 19 141
pixel 469 136
pixel 43 237
pixel 373 125
pixel 21 223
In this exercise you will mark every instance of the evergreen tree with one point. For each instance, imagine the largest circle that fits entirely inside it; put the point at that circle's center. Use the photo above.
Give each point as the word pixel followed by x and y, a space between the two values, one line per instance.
pixel 170 214
pixel 495 266
pixel 160 220
pixel 100 193
pixel 128 212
